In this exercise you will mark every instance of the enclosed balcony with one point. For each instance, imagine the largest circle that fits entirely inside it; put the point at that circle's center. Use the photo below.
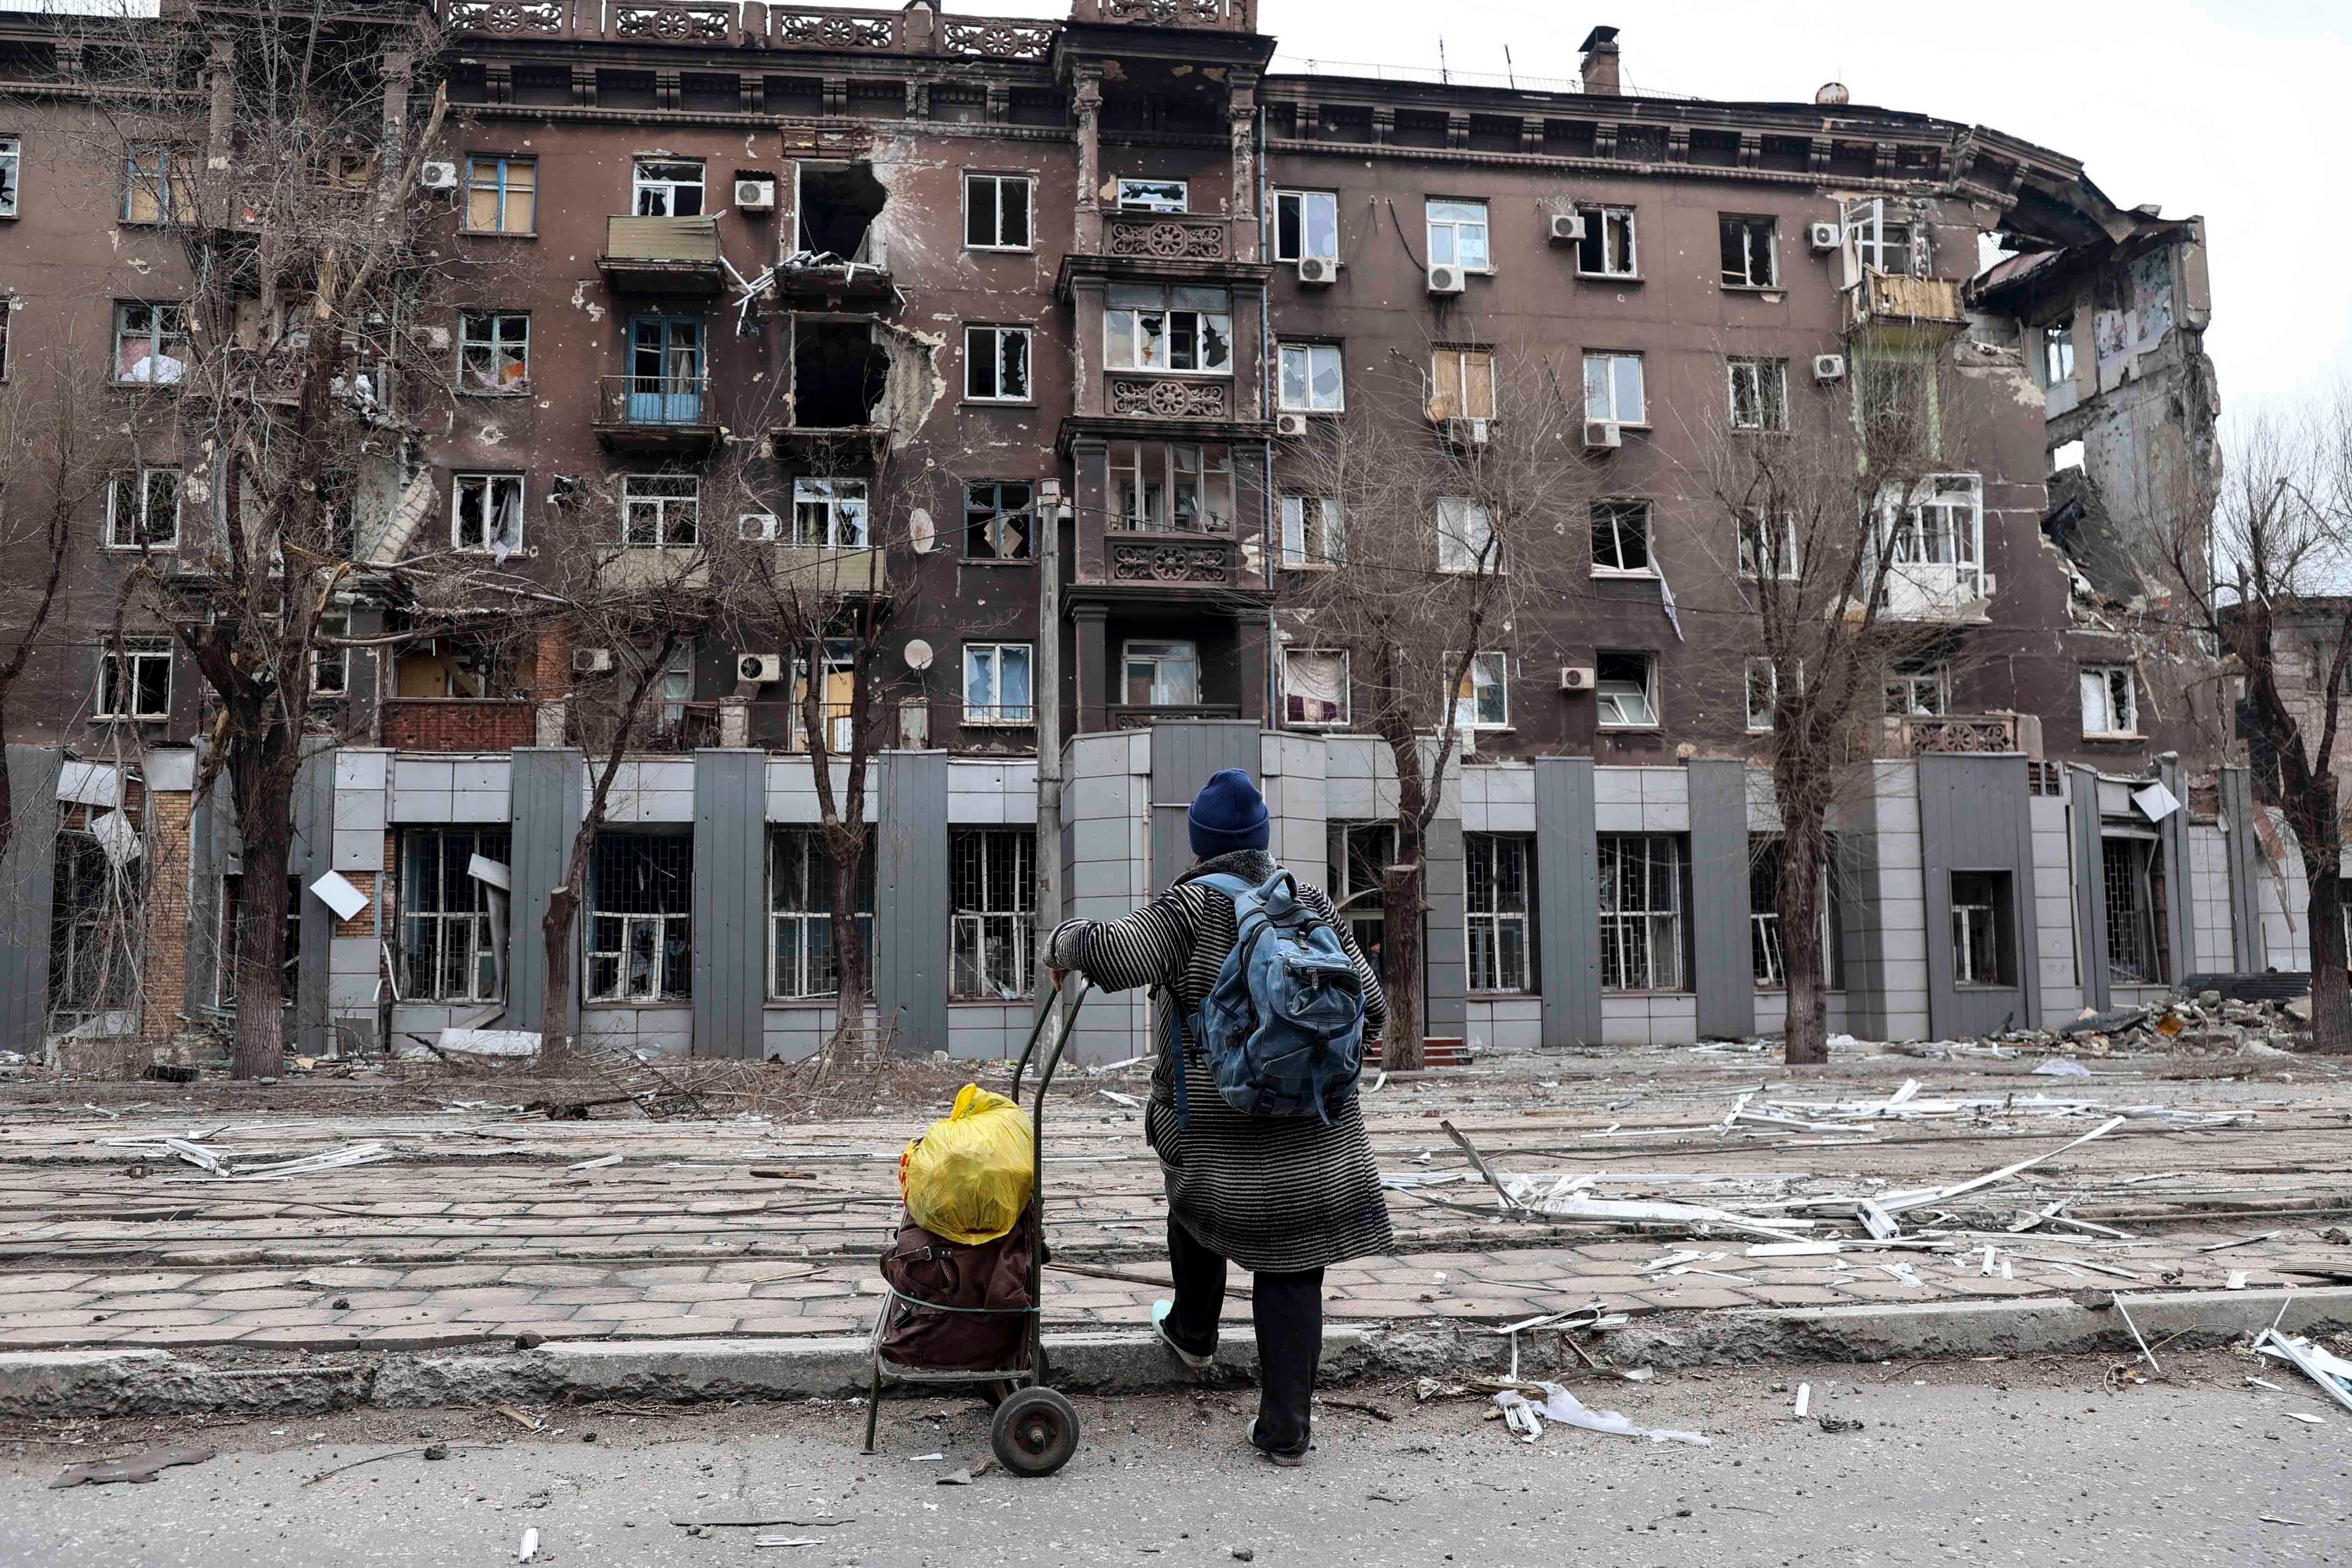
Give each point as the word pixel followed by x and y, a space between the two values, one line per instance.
pixel 656 413
pixel 1895 311
pixel 662 256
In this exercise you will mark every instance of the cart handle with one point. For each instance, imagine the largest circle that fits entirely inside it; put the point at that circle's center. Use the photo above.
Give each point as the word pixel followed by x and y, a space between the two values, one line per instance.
pixel 1044 1011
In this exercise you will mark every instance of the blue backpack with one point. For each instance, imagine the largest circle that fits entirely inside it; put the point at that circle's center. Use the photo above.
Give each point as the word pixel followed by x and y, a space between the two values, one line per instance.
pixel 1283 1029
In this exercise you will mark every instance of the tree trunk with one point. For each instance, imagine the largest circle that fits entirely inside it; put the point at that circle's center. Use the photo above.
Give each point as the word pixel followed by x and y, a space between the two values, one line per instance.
pixel 1806 1041
pixel 264 828
pixel 7 789
pixel 1401 888
pixel 848 947
pixel 555 996
pixel 2331 1002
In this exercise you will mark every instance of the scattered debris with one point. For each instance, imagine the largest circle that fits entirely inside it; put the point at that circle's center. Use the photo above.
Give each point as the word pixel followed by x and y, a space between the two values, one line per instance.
pixel 143 1466
pixel 1804 1399
pixel 595 1164
pixel 1559 1405
pixel 2243 1241
pixel 530 1547
pixel 527 1423
pixel 1840 1424
pixel 2331 1372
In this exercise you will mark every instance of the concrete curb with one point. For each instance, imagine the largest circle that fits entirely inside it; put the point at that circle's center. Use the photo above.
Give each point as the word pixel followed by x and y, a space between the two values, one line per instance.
pixel 87 1382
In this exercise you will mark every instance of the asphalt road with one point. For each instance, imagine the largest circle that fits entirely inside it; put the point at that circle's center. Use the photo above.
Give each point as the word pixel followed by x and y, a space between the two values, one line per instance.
pixel 2005 1462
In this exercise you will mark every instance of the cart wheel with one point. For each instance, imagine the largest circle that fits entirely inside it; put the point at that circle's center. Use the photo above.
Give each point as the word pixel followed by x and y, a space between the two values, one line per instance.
pixel 1034 1433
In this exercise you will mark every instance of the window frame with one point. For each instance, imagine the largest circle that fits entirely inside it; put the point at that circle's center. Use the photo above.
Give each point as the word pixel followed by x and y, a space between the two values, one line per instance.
pixel 1209 480
pixel 7 312
pixel 12 175
pixel 1768 394
pixel 1162 655
pixel 1659 851
pixel 1477 527
pixel 1772 692
pixel 324 658
pixel 503 192
pixel 815 859
pixel 998 518
pixel 140 652
pixel 1455 227
pixel 1999 910
pixel 644 187
pixel 1750 225
pixel 663 503
pixel 1935 679
pixel 2058 343
pixel 1141 201
pixel 1316 540
pixel 1463 367
pixel 174 205
pixel 1006 895
pixel 623 992
pixel 998 715
pixel 1606 702
pixel 1309 352
pixel 1788 561
pixel 159 336
pixel 998 335
pixel 1134 341
pixel 144 479
pixel 1596 237
pixel 1028 183
pixel 1299 197
pixel 2106 675
pixel 494 346
pixel 1495 665
pixel 1493 960
pixel 1610 359
pixel 1347 691
pixel 839 502
pixel 1945 494
pixel 1616 507
pixel 488 483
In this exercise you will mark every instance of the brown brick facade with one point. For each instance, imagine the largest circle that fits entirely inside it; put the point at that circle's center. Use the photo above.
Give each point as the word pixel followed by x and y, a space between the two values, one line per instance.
pixel 459 723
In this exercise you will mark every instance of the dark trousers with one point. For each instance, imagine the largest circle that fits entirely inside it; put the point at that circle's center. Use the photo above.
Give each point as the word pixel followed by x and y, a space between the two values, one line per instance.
pixel 1288 1310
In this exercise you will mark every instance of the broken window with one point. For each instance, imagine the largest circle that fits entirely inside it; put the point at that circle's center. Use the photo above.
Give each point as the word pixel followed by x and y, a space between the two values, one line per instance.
pixel 451 947
pixel 1152 196
pixel 143 510
pixel 1460 384
pixel 1482 699
pixel 1640 911
pixel 1306 225
pixel 1161 675
pixel 1983 937
pixel 151 344
pixel 1613 388
pixel 7 309
pixel 675 687
pixel 1763 693
pixel 1314 686
pixel 2058 355
pixel 1919 689
pixel 486 512
pixel 159 185
pixel 1500 895
pixel 1457 235
pixel 996 364
pixel 667 188
pixel 1178 485
pixel 330 667
pixel 996 211
pixel 660 511
pixel 1620 537
pixel 1465 536
pixel 993 884
pixel 1608 248
pixel 838 204
pixel 801 958
pixel 12 163
pixel 830 514
pixel 838 373
pixel 501 196
pixel 2132 882
pixel 1933 541
pixel 836 695
pixel 1768 948
pixel 996 683
pixel 232 917
pixel 456 666
pixel 1312 380
pixel 1749 253
pixel 2109 704
pixel 1314 531
pixel 135 681
pixel 1626 687
pixel 1760 395
pixel 1147 327
pixel 998 519
pixel 1357 854
pixel 97 890
pixel 640 928
pixel 493 352
pixel 1767 547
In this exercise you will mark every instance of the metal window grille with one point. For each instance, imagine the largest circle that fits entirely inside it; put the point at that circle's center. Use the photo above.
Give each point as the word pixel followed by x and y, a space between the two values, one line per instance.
pixel 95 922
pixel 449 952
pixel 641 937
pixel 993 884
pixel 1498 906
pixel 2123 866
pixel 1357 852
pixel 801 960
pixel 1640 912
pixel 1977 898
pixel 1767 954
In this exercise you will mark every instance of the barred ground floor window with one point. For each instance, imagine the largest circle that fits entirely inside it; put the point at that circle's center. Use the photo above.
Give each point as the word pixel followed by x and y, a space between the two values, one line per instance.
pixel 1640 911
pixel 801 960
pixel 1499 882
pixel 993 885
pixel 452 941
pixel 641 924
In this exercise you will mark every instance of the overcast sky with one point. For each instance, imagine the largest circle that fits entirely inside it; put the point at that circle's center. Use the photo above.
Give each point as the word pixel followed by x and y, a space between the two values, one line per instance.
pixel 2220 107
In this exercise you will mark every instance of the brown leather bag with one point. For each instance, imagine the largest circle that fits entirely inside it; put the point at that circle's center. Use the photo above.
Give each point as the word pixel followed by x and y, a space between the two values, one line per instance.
pixel 925 1268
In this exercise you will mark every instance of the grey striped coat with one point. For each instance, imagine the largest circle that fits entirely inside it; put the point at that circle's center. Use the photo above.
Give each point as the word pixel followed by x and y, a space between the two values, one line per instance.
pixel 1274 1194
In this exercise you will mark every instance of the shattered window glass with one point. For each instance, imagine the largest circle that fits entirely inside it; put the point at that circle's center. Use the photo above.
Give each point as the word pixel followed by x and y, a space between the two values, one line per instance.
pixel 486 512
pixel 997 520
pixel 992 879
pixel 996 364
pixel 494 352
pixel 1607 249
pixel 1748 260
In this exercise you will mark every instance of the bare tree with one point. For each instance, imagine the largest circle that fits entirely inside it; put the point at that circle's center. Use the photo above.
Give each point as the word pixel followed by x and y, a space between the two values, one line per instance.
pixel 2262 562
pixel 1416 559
pixel 49 475
pixel 1847 554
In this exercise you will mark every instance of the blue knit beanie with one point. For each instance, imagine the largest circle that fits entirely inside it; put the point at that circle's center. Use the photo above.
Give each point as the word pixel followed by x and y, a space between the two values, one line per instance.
pixel 1228 815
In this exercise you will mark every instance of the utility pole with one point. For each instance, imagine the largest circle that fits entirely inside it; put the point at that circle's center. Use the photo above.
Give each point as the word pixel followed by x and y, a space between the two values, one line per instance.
pixel 1045 693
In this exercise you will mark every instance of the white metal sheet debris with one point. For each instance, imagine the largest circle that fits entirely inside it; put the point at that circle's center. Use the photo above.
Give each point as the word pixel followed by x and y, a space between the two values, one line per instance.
pixel 1559 1404
pixel 596 1164
pixel 2331 1372
pixel 337 894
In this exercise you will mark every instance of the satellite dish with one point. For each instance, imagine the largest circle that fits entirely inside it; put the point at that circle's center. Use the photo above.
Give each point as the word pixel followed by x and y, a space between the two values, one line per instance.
pixel 921 534
pixel 1832 92
pixel 918 654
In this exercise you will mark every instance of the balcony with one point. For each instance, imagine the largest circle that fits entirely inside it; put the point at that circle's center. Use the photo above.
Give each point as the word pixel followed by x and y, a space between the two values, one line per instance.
pixel 642 23
pixel 1932 591
pixel 1156 560
pixel 1895 311
pixel 661 255
pixel 819 573
pixel 1913 735
pixel 656 413
pixel 834 282
pixel 1166 236
pixel 459 724
pixel 1210 16
pixel 1143 715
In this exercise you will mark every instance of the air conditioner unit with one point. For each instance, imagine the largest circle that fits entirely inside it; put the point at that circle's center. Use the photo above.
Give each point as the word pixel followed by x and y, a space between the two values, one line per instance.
pixel 1603 434
pixel 1567 228
pixel 438 175
pixel 1821 236
pixel 759 526
pixel 1318 269
pixel 592 661
pixel 1576 677
pixel 1467 432
pixel 756 195
pixel 1290 425
pixel 1445 279
pixel 760 669
pixel 1829 367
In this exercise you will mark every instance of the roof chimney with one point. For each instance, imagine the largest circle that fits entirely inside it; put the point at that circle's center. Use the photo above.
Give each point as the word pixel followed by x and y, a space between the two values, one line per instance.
pixel 1600 63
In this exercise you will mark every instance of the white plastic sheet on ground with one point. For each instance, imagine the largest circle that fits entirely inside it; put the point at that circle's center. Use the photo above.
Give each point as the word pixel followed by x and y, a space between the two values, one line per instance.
pixel 1559 1404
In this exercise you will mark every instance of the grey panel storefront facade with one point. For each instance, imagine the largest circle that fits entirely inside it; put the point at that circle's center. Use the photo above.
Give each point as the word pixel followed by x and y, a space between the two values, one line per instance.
pixel 1723 963
pixel 1184 754
pixel 730 804
pixel 27 882
pixel 2090 905
pixel 1568 881
pixel 1975 815
pixel 1445 963
pixel 544 809
pixel 307 858
pixel 913 943
pixel 2237 795
pixel 2172 832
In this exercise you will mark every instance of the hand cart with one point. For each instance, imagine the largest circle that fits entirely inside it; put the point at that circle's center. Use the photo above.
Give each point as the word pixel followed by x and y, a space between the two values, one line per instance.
pixel 1035 1429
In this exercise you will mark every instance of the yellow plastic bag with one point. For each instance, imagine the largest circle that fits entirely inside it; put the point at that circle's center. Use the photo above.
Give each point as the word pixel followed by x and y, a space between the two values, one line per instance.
pixel 969 1177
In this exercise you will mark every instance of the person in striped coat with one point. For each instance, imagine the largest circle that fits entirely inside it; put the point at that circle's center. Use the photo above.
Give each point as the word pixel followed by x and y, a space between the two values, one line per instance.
pixel 1284 1197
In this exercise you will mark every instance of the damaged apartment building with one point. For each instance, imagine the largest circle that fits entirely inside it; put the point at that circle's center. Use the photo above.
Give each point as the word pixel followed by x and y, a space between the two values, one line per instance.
pixel 1018 323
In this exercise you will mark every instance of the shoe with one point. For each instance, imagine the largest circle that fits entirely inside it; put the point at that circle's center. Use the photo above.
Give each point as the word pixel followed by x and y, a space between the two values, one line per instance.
pixel 1159 1311
pixel 1288 1461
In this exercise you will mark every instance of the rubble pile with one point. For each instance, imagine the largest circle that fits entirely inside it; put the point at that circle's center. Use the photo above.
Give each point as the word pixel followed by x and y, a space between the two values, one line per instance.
pixel 2209 1026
